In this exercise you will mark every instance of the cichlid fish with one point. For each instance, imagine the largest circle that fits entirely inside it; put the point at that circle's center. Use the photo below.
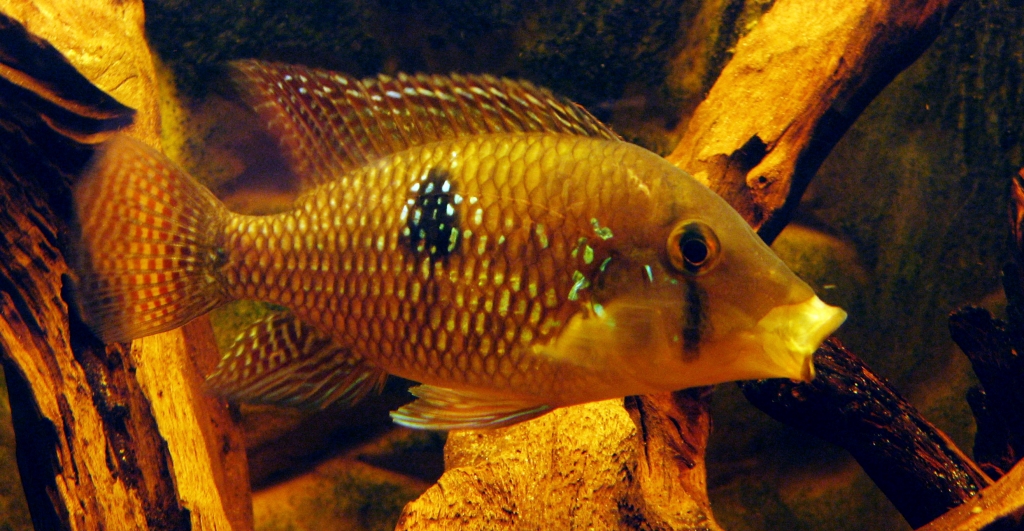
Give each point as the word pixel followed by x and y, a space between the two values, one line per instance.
pixel 479 235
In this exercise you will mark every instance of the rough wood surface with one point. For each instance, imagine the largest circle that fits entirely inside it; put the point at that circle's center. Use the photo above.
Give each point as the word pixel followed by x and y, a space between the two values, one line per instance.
pixel 918 468
pixel 998 508
pixel 597 466
pixel 796 83
pixel 998 406
pixel 108 437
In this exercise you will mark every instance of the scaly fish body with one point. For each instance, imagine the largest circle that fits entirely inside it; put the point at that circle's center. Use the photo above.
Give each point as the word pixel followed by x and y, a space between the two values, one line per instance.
pixel 510 272
pixel 490 277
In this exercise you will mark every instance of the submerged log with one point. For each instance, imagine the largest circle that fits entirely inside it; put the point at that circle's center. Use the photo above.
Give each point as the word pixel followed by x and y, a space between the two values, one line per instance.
pixel 998 508
pixel 998 405
pixel 918 468
pixel 109 437
pixel 796 83
pixel 595 466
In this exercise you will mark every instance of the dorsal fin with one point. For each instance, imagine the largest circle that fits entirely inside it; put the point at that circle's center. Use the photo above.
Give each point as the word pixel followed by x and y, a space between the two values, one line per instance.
pixel 328 123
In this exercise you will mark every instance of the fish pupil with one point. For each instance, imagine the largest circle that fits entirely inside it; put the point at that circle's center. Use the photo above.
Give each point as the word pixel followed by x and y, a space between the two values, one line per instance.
pixel 694 251
pixel 432 225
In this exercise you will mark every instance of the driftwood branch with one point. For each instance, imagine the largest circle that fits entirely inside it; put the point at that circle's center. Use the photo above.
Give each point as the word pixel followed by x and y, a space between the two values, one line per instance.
pixel 109 437
pixel 998 405
pixel 796 83
pixel 598 466
pixel 994 348
pixel 917 467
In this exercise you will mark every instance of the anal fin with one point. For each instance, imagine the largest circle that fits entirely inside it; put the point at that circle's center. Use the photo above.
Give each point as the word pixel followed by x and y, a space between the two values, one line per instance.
pixel 283 361
pixel 439 408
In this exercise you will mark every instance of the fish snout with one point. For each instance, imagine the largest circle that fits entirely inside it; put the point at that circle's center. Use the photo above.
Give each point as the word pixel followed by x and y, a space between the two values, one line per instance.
pixel 791 333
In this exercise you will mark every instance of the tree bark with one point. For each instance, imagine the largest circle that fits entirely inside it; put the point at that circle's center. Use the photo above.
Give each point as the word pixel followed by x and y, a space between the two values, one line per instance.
pixel 109 437
pixel 796 83
pixel 604 465
pixel 917 466
pixel 998 508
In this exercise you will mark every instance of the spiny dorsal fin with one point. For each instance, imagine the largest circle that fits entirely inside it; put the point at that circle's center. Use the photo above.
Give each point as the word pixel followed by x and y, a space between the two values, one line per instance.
pixel 329 123
pixel 282 361
pixel 439 408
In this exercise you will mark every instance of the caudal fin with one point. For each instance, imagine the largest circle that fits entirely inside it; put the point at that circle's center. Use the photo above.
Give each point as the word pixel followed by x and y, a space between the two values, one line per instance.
pixel 146 254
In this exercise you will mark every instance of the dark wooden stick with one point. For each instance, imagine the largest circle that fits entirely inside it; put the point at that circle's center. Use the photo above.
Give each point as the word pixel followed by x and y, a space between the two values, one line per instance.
pixel 916 465
pixel 998 405
pixel 994 348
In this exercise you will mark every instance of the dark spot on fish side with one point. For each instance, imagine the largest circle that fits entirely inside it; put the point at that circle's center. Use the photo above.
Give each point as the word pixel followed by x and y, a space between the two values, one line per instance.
pixel 432 224
pixel 696 318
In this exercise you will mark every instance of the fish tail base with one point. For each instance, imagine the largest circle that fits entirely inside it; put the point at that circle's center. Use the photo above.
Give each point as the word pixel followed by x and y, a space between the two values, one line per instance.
pixel 146 258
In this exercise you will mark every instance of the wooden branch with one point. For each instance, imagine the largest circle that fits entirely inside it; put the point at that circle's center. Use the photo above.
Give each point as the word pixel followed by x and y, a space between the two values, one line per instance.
pixel 796 83
pixel 917 467
pixel 994 348
pixel 999 405
pixel 108 437
pixel 595 466
pixel 997 508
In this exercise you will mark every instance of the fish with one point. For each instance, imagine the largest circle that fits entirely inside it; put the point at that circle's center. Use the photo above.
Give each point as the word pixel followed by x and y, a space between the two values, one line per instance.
pixel 479 235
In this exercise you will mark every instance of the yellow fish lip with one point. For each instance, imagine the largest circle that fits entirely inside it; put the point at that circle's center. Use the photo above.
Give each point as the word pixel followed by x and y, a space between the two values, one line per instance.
pixel 791 333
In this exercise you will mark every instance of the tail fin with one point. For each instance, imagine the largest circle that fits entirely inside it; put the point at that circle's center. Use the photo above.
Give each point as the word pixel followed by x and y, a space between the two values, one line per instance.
pixel 147 256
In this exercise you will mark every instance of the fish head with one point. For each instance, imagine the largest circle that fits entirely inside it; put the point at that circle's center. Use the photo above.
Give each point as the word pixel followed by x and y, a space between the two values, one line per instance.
pixel 703 300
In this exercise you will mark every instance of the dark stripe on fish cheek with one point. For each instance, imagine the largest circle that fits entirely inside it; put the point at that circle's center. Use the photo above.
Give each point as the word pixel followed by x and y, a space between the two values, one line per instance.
pixel 696 319
pixel 432 224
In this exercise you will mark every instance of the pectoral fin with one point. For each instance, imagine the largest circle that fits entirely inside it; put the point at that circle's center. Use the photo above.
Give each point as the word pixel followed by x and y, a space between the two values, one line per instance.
pixel 438 408
pixel 282 361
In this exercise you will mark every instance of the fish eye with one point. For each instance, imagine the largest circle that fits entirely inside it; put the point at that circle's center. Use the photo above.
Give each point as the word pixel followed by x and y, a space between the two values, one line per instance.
pixel 693 247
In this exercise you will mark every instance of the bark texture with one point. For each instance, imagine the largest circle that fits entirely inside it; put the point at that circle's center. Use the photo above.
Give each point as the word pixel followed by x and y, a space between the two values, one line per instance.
pixel 109 437
pixel 917 467
pixel 794 86
pixel 998 508
pixel 600 466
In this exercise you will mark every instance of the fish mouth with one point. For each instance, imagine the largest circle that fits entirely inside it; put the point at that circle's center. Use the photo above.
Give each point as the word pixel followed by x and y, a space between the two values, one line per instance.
pixel 792 333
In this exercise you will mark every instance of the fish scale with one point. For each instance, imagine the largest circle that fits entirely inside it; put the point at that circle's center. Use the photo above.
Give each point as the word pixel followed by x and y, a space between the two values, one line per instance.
pixel 505 289
pixel 480 235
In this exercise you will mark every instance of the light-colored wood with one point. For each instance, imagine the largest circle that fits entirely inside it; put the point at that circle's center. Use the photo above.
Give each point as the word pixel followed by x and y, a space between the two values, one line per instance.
pixel 87 489
pixel 105 40
pixel 593 466
pixel 1002 501
pixel 206 447
pixel 795 84
pixel 136 442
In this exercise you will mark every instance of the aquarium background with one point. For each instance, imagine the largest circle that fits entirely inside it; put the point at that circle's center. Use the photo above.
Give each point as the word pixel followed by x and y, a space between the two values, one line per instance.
pixel 905 221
